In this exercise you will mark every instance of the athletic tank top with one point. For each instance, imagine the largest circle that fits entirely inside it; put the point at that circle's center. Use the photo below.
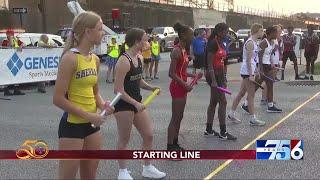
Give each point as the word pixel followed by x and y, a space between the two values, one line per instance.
pixel 146 51
pixel 132 79
pixel 219 57
pixel 80 91
pixel 267 53
pixel 289 42
pixel 182 64
pixel 254 60
pixel 311 44
pixel 276 55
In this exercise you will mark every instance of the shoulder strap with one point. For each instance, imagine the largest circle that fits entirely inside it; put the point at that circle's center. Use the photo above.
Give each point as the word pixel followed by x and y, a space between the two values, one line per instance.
pixel 127 56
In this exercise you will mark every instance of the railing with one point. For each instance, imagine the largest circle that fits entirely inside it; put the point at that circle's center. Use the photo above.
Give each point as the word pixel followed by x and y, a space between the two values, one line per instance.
pixel 222 6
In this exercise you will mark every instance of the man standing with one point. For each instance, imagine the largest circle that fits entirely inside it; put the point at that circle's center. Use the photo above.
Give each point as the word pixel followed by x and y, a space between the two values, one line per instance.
pixel 15 43
pixel 289 41
pixel 44 43
pixel 112 58
pixel 198 47
pixel 311 51
pixel 155 57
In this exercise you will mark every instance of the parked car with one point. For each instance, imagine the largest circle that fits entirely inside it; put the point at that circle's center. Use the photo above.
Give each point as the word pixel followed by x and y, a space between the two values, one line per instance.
pixel 31 39
pixel 64 32
pixel 317 32
pixel 232 43
pixel 166 36
pixel 243 33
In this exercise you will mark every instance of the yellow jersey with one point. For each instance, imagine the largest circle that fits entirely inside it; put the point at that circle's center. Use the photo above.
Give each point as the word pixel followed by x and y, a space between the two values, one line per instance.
pixel 80 91
pixel 155 48
pixel 146 51
pixel 114 53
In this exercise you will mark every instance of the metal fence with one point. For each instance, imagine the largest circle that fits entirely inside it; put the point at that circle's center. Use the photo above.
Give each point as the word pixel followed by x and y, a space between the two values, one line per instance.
pixel 222 6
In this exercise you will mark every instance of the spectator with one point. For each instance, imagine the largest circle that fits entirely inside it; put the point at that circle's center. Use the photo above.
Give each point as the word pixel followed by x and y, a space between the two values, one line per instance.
pixel 45 43
pixel 15 43
pixel 198 47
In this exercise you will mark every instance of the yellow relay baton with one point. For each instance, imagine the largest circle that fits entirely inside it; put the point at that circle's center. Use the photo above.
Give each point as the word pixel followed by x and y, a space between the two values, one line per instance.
pixel 151 97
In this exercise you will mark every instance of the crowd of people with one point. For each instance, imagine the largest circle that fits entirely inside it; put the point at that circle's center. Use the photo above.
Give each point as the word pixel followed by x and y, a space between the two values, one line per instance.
pixel 11 41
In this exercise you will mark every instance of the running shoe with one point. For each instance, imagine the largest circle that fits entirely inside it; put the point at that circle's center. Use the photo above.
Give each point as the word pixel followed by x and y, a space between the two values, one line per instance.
pixel 151 172
pixel 211 133
pixel 274 109
pixel 245 108
pixel 124 174
pixel 227 136
pixel 257 122
pixel 234 119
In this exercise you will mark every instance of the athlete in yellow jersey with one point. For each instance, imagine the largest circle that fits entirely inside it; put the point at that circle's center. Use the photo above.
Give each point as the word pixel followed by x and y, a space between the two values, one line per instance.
pixel 146 53
pixel 77 94
pixel 80 90
pixel 155 49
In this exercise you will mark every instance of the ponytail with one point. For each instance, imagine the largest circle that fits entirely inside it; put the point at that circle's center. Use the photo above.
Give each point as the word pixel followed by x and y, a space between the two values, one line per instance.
pixel 82 21
pixel 69 44
pixel 123 48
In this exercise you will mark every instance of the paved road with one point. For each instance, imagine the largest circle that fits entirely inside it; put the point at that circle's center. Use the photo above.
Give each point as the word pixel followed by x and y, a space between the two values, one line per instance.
pixel 34 117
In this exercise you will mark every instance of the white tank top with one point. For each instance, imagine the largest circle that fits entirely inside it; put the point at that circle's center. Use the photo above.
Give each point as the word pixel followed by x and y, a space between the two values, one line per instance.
pixel 254 60
pixel 267 53
pixel 276 56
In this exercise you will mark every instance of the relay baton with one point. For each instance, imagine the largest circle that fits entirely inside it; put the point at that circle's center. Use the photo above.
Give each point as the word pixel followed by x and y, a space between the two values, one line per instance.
pixel 112 103
pixel 269 78
pixel 279 68
pixel 224 90
pixel 259 85
pixel 195 79
pixel 151 97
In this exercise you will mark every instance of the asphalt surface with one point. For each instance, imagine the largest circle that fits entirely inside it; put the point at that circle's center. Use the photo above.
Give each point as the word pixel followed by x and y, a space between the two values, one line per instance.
pixel 33 116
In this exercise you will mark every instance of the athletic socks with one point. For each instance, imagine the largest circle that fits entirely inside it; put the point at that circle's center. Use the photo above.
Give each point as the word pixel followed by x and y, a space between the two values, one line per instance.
pixel 175 141
pixel 270 104
pixel 232 113
pixel 223 128
pixel 245 103
pixel 209 127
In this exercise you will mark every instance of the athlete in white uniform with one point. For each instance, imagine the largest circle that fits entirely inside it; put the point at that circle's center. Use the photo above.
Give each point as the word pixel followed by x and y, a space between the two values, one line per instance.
pixel 276 55
pixel 247 72
pixel 268 66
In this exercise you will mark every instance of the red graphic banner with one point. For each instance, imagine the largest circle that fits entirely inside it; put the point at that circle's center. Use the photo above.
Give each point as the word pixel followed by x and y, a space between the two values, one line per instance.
pixel 130 154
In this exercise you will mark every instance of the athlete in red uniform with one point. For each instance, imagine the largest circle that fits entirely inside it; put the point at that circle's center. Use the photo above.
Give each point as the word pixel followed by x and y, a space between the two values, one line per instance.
pixel 176 90
pixel 216 55
pixel 179 86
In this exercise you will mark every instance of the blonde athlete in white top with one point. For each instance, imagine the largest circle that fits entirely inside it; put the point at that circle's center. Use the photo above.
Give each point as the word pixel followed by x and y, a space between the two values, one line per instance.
pixel 247 71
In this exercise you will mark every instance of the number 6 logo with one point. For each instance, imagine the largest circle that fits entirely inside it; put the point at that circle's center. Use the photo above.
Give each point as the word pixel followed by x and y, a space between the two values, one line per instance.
pixel 297 151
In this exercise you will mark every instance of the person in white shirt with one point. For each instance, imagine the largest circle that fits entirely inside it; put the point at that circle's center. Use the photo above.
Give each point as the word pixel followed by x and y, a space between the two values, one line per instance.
pixel 247 72
pixel 44 42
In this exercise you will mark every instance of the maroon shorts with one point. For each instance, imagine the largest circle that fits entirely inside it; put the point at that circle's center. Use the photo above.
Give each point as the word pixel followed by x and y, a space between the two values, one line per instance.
pixel 177 91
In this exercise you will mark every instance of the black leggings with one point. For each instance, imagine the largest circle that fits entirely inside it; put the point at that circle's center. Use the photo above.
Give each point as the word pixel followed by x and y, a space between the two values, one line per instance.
pixel 217 97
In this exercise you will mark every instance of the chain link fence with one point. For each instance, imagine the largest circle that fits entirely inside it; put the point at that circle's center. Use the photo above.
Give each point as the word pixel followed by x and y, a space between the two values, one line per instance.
pixel 223 6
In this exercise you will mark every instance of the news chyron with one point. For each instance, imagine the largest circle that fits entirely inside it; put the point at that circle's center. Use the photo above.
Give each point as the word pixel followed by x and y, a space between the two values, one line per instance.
pixel 279 149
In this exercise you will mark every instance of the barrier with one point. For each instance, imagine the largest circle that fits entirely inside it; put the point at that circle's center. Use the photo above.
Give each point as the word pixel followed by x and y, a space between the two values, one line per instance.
pixel 29 65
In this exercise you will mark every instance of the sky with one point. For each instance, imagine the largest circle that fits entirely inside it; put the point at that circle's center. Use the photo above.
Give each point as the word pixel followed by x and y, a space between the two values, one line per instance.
pixel 287 6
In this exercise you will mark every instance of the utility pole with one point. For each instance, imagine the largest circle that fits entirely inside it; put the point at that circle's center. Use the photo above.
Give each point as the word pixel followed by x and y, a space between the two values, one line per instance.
pixel 42 9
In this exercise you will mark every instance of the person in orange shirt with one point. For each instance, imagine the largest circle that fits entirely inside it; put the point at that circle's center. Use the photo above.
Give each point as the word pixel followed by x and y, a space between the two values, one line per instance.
pixel 146 53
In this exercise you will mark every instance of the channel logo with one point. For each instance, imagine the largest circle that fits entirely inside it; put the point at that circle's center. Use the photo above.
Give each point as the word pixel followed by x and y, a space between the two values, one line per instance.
pixel 279 149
